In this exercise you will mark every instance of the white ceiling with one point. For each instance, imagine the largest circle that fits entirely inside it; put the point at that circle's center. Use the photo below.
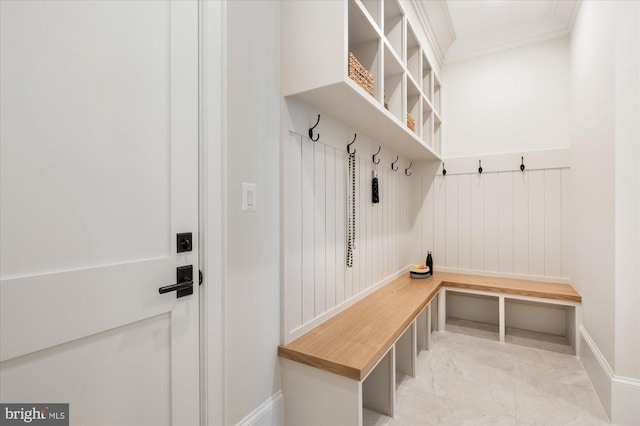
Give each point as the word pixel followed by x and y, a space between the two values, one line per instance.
pixel 485 26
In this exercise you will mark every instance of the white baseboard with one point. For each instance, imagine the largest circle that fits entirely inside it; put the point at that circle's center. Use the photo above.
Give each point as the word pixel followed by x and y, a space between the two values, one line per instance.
pixel 269 413
pixel 619 395
pixel 625 401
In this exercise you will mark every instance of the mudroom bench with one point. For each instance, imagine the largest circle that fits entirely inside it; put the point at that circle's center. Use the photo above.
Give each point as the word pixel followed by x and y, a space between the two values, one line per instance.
pixel 351 361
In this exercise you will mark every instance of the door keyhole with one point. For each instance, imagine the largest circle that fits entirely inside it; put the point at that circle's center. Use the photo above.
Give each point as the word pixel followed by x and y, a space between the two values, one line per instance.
pixel 184 242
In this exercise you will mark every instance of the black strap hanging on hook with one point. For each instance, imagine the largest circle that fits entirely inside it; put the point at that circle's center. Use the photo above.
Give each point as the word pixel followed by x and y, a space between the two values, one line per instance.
pixel 355 135
pixel 311 131
pixel 375 187
pixel 406 171
pixel 522 164
pixel 395 169
pixel 444 171
pixel 373 158
pixel 480 168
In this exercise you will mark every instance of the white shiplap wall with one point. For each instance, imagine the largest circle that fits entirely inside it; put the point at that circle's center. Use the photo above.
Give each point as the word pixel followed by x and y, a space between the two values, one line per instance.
pixel 316 281
pixel 503 222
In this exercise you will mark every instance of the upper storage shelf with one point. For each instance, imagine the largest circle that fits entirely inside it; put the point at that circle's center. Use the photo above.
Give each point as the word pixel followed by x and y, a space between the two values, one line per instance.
pixel 386 92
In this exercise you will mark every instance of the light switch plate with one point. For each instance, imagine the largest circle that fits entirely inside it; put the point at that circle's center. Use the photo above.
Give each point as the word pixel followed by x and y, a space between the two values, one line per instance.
pixel 249 196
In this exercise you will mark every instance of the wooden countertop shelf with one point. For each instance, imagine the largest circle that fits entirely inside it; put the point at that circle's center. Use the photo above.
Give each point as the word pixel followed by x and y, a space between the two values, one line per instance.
pixel 545 290
pixel 352 342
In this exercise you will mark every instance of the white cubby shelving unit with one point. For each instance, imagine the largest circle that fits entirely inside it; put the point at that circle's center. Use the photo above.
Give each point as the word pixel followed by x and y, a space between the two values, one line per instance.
pixel 316 39
pixel 400 362
pixel 322 397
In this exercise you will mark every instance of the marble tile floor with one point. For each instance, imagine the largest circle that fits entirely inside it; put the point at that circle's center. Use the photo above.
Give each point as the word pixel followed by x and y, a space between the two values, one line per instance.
pixel 468 380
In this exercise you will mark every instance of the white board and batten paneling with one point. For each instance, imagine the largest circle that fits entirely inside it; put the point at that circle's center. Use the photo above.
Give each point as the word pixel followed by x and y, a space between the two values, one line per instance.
pixel 316 280
pixel 503 221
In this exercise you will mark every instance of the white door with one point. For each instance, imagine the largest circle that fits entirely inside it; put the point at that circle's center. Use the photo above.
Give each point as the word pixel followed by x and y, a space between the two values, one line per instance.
pixel 98 173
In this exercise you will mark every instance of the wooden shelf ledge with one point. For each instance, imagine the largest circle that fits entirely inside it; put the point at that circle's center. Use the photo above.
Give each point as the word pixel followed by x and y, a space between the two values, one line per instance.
pixel 544 290
pixel 351 343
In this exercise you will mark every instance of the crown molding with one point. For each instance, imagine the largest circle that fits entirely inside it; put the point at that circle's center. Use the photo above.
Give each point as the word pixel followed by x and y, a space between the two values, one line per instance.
pixel 558 23
pixel 574 13
pixel 505 46
pixel 437 25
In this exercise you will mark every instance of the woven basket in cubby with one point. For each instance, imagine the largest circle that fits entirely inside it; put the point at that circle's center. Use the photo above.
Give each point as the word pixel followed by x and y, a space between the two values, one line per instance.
pixel 359 74
pixel 411 123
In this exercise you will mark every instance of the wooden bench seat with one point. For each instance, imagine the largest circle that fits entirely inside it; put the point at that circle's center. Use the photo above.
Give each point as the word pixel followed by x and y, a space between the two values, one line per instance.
pixel 353 341
pixel 543 290
pixel 349 362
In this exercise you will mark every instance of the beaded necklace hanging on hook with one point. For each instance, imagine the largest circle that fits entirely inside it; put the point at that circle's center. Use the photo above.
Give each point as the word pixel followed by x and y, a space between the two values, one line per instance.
pixel 351 213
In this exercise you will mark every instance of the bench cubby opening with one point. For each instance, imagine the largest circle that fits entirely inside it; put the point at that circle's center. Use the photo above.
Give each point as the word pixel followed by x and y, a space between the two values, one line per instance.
pixel 541 325
pixel 434 313
pixel 423 327
pixel 405 349
pixel 426 323
pixel 474 314
pixel 378 388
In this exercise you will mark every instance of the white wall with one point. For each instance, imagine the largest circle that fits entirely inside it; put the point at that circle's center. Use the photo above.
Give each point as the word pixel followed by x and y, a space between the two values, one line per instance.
pixel 252 287
pixel 625 395
pixel 315 185
pixel 212 162
pixel 497 108
pixel 605 242
pixel 512 101
pixel 627 177
pixel 593 143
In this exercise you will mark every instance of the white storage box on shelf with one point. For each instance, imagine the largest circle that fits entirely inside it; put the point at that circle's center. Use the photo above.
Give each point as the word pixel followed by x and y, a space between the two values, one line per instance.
pixel 316 40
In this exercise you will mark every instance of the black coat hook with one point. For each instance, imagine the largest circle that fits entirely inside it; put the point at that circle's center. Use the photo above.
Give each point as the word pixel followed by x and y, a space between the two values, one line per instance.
pixel 395 169
pixel 311 131
pixel 355 135
pixel 522 164
pixel 444 171
pixel 480 168
pixel 373 158
pixel 406 171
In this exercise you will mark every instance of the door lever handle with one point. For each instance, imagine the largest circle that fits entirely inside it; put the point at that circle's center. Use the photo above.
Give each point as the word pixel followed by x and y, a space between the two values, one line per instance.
pixel 175 287
pixel 184 285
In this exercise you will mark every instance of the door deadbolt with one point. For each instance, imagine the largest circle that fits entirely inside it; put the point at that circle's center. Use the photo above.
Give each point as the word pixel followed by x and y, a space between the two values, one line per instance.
pixel 184 242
